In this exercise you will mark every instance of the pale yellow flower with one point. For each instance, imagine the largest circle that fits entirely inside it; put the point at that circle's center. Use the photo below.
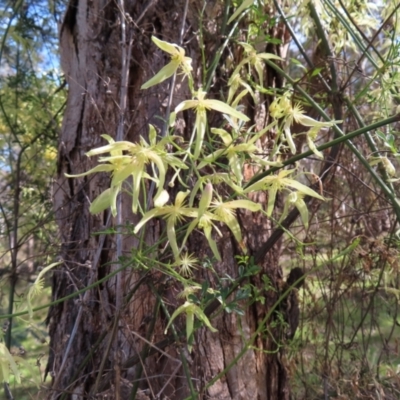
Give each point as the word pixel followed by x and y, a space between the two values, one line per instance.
pixel 200 104
pixel 275 183
pixel 178 61
pixel 282 107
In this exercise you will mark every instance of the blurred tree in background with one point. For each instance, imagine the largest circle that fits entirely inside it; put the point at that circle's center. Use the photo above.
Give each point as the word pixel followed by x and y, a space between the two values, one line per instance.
pixel 32 101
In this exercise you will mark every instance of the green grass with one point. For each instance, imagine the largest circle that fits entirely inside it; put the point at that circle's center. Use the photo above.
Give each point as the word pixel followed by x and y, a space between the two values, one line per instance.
pixel 351 338
pixel 29 344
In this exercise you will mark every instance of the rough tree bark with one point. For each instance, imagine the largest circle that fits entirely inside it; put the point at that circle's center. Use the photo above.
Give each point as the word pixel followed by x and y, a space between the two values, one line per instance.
pixel 95 342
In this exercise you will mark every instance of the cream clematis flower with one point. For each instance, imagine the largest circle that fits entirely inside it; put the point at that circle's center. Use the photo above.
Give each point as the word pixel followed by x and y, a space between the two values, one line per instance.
pixel 172 214
pixel 186 263
pixel 275 183
pixel 200 104
pixel 282 107
pixel 178 61
pixel 191 310
pixel 253 59
pixel 132 163
pixel 296 199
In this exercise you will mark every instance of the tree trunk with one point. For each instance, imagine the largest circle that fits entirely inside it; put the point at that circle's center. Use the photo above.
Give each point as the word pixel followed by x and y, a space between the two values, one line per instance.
pixel 109 341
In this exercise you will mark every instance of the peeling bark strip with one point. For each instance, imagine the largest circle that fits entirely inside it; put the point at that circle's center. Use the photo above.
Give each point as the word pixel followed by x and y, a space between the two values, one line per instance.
pixel 91 344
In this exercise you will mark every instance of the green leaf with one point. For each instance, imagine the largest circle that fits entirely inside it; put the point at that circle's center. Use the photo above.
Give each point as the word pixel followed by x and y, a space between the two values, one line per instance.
pixel 316 71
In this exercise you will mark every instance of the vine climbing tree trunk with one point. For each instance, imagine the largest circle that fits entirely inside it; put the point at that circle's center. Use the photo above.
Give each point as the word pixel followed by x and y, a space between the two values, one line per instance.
pixel 110 340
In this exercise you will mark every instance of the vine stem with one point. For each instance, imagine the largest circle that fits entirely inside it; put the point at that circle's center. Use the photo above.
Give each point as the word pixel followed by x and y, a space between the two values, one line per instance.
pixel 126 51
pixel 342 137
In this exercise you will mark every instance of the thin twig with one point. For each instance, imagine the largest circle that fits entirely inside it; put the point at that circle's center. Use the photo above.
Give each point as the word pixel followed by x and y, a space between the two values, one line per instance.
pixel 80 311
pixel 126 50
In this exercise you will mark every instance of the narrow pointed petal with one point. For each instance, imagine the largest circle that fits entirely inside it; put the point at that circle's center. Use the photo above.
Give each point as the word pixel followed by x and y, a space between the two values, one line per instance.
pixel 201 122
pixel 169 48
pixel 172 238
pixel 166 72
pixel 271 200
pixel 202 317
pixel 186 105
pixel 155 212
pixel 302 188
pixel 207 233
pixel 206 198
pixel 303 210
pixel 116 146
pixel 240 9
pixel 98 168
pixel 137 178
pixel 224 108
pixel 105 200
pixel 289 137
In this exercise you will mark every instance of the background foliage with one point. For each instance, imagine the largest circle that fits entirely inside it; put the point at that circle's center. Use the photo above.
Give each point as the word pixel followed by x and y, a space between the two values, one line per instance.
pixel 32 99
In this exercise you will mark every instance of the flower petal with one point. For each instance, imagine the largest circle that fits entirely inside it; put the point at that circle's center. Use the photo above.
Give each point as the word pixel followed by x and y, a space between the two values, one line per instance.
pixel 116 146
pixel 205 200
pixel 172 237
pixel 302 188
pixel 169 48
pixel 106 199
pixel 186 105
pixel 224 108
pixel 98 168
pixel 207 233
pixel 147 217
pixel 161 199
pixel 241 8
pixel 164 73
pixel 271 200
pixel 201 122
